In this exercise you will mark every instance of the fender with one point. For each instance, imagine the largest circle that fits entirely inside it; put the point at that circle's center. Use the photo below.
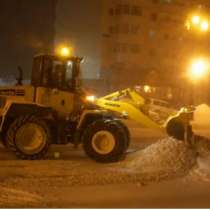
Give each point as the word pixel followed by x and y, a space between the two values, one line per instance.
pixel 89 116
pixel 13 109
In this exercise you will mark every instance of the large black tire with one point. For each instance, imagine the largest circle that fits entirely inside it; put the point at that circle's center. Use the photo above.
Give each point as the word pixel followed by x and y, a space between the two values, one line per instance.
pixel 7 123
pixel 175 129
pixel 127 132
pixel 111 130
pixel 3 140
pixel 23 147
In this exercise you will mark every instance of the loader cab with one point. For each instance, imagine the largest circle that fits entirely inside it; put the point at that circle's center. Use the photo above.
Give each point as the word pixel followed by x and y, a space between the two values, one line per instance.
pixel 56 72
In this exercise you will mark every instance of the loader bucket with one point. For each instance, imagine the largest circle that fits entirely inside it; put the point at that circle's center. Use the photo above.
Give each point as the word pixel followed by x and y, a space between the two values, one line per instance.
pixel 178 126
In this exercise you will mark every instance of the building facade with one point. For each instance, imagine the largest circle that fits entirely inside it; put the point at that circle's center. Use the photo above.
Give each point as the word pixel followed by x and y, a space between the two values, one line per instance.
pixel 147 42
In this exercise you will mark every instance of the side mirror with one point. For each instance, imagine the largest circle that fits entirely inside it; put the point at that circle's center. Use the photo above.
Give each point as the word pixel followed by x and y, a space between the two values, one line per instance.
pixel 20 76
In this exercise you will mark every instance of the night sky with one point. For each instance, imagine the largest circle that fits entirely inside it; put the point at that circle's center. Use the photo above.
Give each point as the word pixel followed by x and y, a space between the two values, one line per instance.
pixel 24 32
pixel 78 24
pixel 29 27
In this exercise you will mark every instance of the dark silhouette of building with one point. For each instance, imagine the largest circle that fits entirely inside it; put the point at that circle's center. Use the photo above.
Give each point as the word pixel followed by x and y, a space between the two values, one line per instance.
pixel 27 27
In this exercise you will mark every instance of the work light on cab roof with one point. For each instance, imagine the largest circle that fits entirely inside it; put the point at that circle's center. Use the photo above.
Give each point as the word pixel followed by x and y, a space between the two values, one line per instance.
pixel 64 51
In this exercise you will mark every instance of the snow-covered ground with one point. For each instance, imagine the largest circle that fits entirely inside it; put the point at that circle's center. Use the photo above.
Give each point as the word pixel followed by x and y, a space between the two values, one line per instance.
pixel 157 172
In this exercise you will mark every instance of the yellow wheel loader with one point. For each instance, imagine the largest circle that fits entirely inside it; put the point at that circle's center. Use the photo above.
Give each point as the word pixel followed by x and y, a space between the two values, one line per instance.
pixel 53 110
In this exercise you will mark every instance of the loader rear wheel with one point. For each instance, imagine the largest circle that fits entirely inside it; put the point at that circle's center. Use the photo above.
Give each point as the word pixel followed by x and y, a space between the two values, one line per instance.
pixel 126 132
pixel 105 141
pixel 29 137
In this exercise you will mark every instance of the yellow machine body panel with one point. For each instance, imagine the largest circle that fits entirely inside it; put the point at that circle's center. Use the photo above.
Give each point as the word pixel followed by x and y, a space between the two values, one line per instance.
pixel 18 93
pixel 60 101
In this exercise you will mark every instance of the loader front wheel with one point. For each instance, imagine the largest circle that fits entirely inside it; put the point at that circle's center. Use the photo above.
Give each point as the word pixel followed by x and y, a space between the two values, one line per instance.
pixel 105 141
pixel 29 137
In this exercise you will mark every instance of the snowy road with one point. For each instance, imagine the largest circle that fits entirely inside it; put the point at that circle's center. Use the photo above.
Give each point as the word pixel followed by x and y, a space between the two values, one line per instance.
pixel 74 180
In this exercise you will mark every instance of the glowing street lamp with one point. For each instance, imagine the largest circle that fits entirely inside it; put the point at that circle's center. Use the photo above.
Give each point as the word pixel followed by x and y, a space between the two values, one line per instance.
pixel 147 89
pixel 198 73
pixel 198 23
pixel 198 70
pixel 196 19
pixel 204 26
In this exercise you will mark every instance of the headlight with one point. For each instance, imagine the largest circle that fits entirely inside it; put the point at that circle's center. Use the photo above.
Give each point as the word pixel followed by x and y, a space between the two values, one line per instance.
pixel 90 98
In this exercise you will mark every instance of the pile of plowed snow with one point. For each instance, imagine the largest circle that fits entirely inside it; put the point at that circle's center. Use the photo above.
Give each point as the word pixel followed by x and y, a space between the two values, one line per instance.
pixel 202 115
pixel 167 157
pixel 201 145
pixel 201 171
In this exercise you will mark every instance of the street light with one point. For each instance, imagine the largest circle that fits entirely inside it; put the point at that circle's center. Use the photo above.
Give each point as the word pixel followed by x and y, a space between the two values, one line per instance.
pixel 196 19
pixel 147 89
pixel 204 26
pixel 197 23
pixel 197 73
pixel 198 70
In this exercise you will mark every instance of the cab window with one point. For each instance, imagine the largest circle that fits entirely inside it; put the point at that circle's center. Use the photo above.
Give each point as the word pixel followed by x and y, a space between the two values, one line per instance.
pixel 57 74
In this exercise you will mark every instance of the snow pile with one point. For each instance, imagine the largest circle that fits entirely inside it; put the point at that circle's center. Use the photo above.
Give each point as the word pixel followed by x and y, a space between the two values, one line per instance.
pixel 202 146
pixel 201 172
pixel 202 115
pixel 167 157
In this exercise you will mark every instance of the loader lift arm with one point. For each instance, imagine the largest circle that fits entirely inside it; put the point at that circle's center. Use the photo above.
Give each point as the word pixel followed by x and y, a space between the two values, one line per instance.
pixel 128 103
pixel 131 105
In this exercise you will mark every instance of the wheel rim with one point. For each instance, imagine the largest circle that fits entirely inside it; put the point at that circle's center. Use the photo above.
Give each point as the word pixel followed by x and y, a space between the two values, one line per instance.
pixel 103 142
pixel 31 138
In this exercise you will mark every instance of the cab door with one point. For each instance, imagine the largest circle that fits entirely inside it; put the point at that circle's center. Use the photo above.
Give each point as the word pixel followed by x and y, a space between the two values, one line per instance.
pixel 56 88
